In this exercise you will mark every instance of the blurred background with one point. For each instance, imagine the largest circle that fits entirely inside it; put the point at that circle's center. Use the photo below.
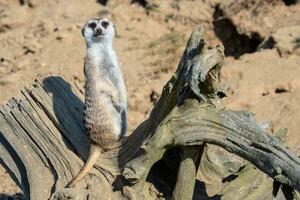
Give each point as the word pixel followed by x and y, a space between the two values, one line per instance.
pixel 261 38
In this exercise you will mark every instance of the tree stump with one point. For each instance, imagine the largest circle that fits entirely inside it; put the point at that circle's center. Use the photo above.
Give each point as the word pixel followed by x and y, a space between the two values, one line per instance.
pixel 43 143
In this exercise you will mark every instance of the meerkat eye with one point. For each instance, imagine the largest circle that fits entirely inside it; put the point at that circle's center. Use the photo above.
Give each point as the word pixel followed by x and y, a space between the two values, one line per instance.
pixel 104 24
pixel 92 25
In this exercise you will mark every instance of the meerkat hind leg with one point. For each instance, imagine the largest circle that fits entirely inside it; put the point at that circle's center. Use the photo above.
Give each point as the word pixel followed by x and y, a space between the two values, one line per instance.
pixel 95 152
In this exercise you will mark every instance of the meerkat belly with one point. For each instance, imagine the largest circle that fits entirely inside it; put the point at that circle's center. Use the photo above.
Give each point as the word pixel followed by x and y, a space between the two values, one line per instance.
pixel 102 121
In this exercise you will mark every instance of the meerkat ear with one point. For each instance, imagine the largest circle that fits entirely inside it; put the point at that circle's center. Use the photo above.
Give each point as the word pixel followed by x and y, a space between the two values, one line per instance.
pixel 82 32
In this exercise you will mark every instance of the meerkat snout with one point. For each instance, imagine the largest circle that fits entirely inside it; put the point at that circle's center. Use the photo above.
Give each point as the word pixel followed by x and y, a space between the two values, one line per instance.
pixel 97 32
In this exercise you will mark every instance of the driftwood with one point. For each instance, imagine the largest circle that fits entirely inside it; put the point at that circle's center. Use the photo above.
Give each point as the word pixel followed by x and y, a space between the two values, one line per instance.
pixel 42 139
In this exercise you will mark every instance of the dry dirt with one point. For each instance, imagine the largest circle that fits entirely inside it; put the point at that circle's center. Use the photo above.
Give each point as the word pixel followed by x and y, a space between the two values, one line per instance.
pixel 261 38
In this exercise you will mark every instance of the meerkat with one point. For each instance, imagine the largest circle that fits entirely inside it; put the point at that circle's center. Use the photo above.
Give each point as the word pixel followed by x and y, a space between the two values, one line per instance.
pixel 105 92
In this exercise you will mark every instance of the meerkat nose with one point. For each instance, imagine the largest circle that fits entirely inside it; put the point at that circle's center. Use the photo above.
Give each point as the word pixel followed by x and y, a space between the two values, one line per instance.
pixel 98 31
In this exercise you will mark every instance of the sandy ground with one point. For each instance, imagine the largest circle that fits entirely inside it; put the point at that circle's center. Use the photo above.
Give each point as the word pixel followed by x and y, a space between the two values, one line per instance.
pixel 260 72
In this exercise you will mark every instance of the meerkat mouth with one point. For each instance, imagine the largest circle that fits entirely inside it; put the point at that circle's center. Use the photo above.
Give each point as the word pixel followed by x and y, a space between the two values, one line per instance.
pixel 98 35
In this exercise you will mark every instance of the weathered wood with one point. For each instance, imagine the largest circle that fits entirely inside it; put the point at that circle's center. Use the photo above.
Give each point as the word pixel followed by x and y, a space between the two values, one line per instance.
pixel 186 178
pixel 42 139
pixel 39 147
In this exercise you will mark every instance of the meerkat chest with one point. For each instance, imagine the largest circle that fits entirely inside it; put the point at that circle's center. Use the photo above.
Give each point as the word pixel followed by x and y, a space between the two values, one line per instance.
pixel 93 93
pixel 99 97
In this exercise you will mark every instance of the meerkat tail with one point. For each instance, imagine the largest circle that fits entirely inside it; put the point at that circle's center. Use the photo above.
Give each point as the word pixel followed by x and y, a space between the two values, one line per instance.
pixel 94 155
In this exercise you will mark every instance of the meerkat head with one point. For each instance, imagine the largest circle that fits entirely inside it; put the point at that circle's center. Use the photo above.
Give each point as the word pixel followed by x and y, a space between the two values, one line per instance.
pixel 98 31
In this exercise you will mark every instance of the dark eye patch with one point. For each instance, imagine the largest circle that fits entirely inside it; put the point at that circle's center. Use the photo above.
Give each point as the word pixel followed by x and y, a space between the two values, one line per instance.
pixel 104 24
pixel 92 25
